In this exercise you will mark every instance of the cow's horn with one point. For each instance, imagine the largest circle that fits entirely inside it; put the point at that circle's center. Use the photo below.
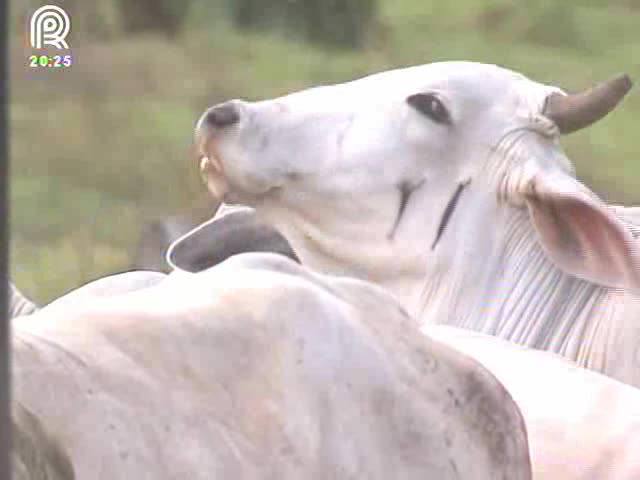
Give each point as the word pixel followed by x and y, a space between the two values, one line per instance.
pixel 576 111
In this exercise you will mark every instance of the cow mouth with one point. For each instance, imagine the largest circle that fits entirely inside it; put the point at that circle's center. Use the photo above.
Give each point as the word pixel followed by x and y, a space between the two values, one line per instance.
pixel 213 174
pixel 211 167
pixel 220 184
pixel 213 177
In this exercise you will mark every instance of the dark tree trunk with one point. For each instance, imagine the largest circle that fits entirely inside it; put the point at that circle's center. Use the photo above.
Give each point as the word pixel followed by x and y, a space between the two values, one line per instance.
pixel 5 387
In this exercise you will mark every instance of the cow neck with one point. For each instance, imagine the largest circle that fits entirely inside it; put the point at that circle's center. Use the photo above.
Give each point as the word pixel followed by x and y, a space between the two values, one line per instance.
pixel 515 292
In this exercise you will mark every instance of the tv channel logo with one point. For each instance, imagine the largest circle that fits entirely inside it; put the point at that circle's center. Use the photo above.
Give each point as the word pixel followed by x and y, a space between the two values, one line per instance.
pixel 50 26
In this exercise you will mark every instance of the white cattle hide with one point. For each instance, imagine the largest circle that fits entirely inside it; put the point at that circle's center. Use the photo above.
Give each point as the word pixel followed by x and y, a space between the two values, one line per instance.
pixel 582 425
pixel 260 369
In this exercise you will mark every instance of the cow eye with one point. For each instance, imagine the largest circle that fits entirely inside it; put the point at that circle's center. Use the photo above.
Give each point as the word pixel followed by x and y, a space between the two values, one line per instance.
pixel 431 106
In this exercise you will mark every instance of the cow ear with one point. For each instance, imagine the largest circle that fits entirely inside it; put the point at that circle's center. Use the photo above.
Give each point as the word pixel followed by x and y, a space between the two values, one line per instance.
pixel 580 233
pixel 236 231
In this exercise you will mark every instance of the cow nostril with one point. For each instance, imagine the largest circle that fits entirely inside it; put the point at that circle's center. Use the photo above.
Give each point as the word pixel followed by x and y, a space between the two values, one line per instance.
pixel 223 115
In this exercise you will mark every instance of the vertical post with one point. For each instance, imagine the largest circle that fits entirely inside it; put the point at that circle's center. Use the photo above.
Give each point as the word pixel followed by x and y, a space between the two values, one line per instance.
pixel 5 394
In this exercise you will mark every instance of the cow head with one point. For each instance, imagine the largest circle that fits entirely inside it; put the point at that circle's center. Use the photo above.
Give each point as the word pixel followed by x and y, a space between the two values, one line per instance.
pixel 398 172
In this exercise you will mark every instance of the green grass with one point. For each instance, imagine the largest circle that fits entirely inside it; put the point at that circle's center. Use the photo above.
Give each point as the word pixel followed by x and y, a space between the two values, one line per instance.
pixel 102 148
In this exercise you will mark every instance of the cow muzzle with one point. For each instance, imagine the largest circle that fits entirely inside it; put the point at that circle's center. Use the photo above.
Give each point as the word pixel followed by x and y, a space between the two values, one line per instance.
pixel 222 115
pixel 216 121
pixel 217 124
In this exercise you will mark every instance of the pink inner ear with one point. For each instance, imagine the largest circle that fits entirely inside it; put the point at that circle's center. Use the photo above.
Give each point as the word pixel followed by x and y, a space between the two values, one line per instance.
pixel 581 234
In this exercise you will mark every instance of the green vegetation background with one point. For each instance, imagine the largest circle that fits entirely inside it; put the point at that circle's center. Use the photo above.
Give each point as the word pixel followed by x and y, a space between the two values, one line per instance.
pixel 101 148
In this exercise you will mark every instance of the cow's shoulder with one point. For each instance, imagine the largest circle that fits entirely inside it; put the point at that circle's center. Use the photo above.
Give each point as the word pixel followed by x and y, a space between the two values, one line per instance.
pixel 109 286
pixel 336 360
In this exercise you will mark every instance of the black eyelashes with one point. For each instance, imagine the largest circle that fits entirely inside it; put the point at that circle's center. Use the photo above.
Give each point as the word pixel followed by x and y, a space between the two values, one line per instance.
pixel 431 106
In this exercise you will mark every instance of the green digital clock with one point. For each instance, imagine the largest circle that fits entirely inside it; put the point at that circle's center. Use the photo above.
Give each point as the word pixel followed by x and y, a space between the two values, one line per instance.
pixel 53 61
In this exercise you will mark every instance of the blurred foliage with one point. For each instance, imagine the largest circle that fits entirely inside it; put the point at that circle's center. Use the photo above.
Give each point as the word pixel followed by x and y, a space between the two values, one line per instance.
pixel 103 147
pixel 166 16
pixel 545 22
pixel 342 23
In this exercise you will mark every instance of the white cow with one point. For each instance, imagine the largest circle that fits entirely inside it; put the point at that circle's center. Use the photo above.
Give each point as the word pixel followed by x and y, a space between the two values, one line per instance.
pixel 258 369
pixel 582 425
pixel 446 184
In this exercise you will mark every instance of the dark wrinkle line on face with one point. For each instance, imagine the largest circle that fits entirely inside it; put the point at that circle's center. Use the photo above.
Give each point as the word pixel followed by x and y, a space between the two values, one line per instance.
pixel 448 212
pixel 406 189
